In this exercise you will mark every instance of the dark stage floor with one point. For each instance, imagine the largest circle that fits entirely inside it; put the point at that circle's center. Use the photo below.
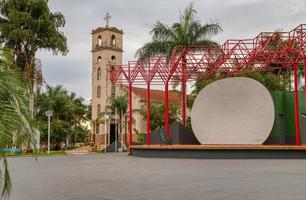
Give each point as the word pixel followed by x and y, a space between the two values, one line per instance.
pixel 245 151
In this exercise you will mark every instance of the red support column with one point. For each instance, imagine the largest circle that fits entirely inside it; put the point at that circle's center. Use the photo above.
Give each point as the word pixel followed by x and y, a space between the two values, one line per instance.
pixel 296 106
pixel 166 112
pixel 184 103
pixel 305 81
pixel 184 68
pixel 149 116
pixel 131 115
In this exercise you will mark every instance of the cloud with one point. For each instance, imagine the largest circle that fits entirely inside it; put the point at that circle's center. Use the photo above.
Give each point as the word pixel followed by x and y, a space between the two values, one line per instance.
pixel 239 19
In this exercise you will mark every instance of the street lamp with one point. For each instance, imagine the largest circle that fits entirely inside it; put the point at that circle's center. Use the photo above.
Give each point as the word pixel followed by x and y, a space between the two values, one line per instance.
pixel 106 116
pixel 49 114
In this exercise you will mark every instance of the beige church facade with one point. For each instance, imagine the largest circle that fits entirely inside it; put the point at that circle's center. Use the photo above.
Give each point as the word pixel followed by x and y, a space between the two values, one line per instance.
pixel 107 50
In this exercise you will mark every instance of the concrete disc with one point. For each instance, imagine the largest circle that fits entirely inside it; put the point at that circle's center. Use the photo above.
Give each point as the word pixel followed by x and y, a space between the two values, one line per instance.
pixel 235 110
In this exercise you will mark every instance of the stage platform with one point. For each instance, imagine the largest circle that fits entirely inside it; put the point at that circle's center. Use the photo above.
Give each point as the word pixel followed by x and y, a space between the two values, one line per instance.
pixel 241 151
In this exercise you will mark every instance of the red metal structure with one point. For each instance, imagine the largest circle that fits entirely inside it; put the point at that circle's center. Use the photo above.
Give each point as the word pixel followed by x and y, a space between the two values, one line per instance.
pixel 267 51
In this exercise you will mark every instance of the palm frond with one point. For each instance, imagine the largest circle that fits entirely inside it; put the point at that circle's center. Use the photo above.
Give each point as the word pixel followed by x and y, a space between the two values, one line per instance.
pixel 16 123
pixel 162 32
pixel 5 179
pixel 154 48
pixel 210 29
pixel 188 15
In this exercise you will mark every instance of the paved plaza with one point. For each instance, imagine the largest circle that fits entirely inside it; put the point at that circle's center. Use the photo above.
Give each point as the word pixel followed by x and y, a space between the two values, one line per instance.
pixel 121 177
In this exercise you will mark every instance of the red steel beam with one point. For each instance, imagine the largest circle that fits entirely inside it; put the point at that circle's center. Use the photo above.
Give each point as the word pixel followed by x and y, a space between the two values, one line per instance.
pixel 296 105
pixel 184 71
pixel 305 81
pixel 166 120
pixel 149 116
pixel 236 57
pixel 130 115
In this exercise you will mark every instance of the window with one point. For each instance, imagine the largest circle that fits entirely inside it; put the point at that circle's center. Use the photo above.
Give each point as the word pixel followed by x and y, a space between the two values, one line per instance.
pixel 99 42
pixel 99 74
pixel 99 59
pixel 98 109
pixel 113 58
pixel 113 44
pixel 99 91
pixel 97 128
pixel 113 91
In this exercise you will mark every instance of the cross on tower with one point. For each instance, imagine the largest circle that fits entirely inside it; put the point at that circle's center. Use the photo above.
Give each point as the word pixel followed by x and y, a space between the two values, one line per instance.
pixel 107 18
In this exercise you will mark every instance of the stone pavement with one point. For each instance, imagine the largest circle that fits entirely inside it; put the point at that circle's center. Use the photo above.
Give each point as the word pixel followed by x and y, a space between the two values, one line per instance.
pixel 113 176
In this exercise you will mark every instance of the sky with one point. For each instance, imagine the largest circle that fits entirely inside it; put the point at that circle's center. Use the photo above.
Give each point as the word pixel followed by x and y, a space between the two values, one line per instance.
pixel 239 19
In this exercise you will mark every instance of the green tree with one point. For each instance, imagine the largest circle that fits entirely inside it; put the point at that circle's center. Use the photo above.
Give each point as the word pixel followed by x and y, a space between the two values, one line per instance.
pixel 273 44
pixel 27 26
pixel 60 131
pixel 79 113
pixel 83 134
pixel 56 99
pixel 69 113
pixel 16 123
pixel 157 114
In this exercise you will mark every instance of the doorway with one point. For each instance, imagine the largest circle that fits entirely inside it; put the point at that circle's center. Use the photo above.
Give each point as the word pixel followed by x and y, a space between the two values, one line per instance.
pixel 112 132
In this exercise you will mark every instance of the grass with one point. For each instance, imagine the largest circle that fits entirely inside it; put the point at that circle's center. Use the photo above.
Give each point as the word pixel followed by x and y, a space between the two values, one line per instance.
pixel 52 153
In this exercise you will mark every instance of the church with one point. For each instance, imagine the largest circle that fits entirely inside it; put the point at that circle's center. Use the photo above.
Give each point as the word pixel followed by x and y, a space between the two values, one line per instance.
pixel 107 50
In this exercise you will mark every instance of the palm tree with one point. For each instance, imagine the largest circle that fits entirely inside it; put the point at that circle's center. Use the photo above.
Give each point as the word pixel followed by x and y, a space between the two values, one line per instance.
pixel 189 31
pixel 68 109
pixel 78 112
pixel 16 124
pixel 56 99
pixel 119 104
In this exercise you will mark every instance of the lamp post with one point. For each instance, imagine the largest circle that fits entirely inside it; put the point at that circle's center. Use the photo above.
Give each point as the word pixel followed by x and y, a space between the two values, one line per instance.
pixel 106 116
pixel 49 114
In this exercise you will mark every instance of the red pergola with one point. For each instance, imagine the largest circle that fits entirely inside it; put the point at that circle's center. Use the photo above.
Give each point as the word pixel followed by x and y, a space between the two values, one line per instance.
pixel 267 51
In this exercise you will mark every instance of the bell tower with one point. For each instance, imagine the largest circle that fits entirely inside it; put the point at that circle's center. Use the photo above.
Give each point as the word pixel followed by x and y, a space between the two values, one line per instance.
pixel 106 50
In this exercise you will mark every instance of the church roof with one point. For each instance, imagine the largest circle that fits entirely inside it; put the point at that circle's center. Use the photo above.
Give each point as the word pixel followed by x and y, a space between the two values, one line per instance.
pixel 158 95
pixel 100 29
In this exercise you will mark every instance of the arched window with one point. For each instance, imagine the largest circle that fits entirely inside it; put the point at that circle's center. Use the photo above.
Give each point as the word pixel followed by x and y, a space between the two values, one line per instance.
pixel 98 109
pixel 99 74
pixel 98 91
pixel 97 128
pixel 99 42
pixel 113 44
pixel 99 59
pixel 113 91
pixel 113 58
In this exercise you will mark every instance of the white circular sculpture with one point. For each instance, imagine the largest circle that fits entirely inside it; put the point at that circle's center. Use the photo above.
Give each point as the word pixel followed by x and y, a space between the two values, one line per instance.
pixel 235 110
